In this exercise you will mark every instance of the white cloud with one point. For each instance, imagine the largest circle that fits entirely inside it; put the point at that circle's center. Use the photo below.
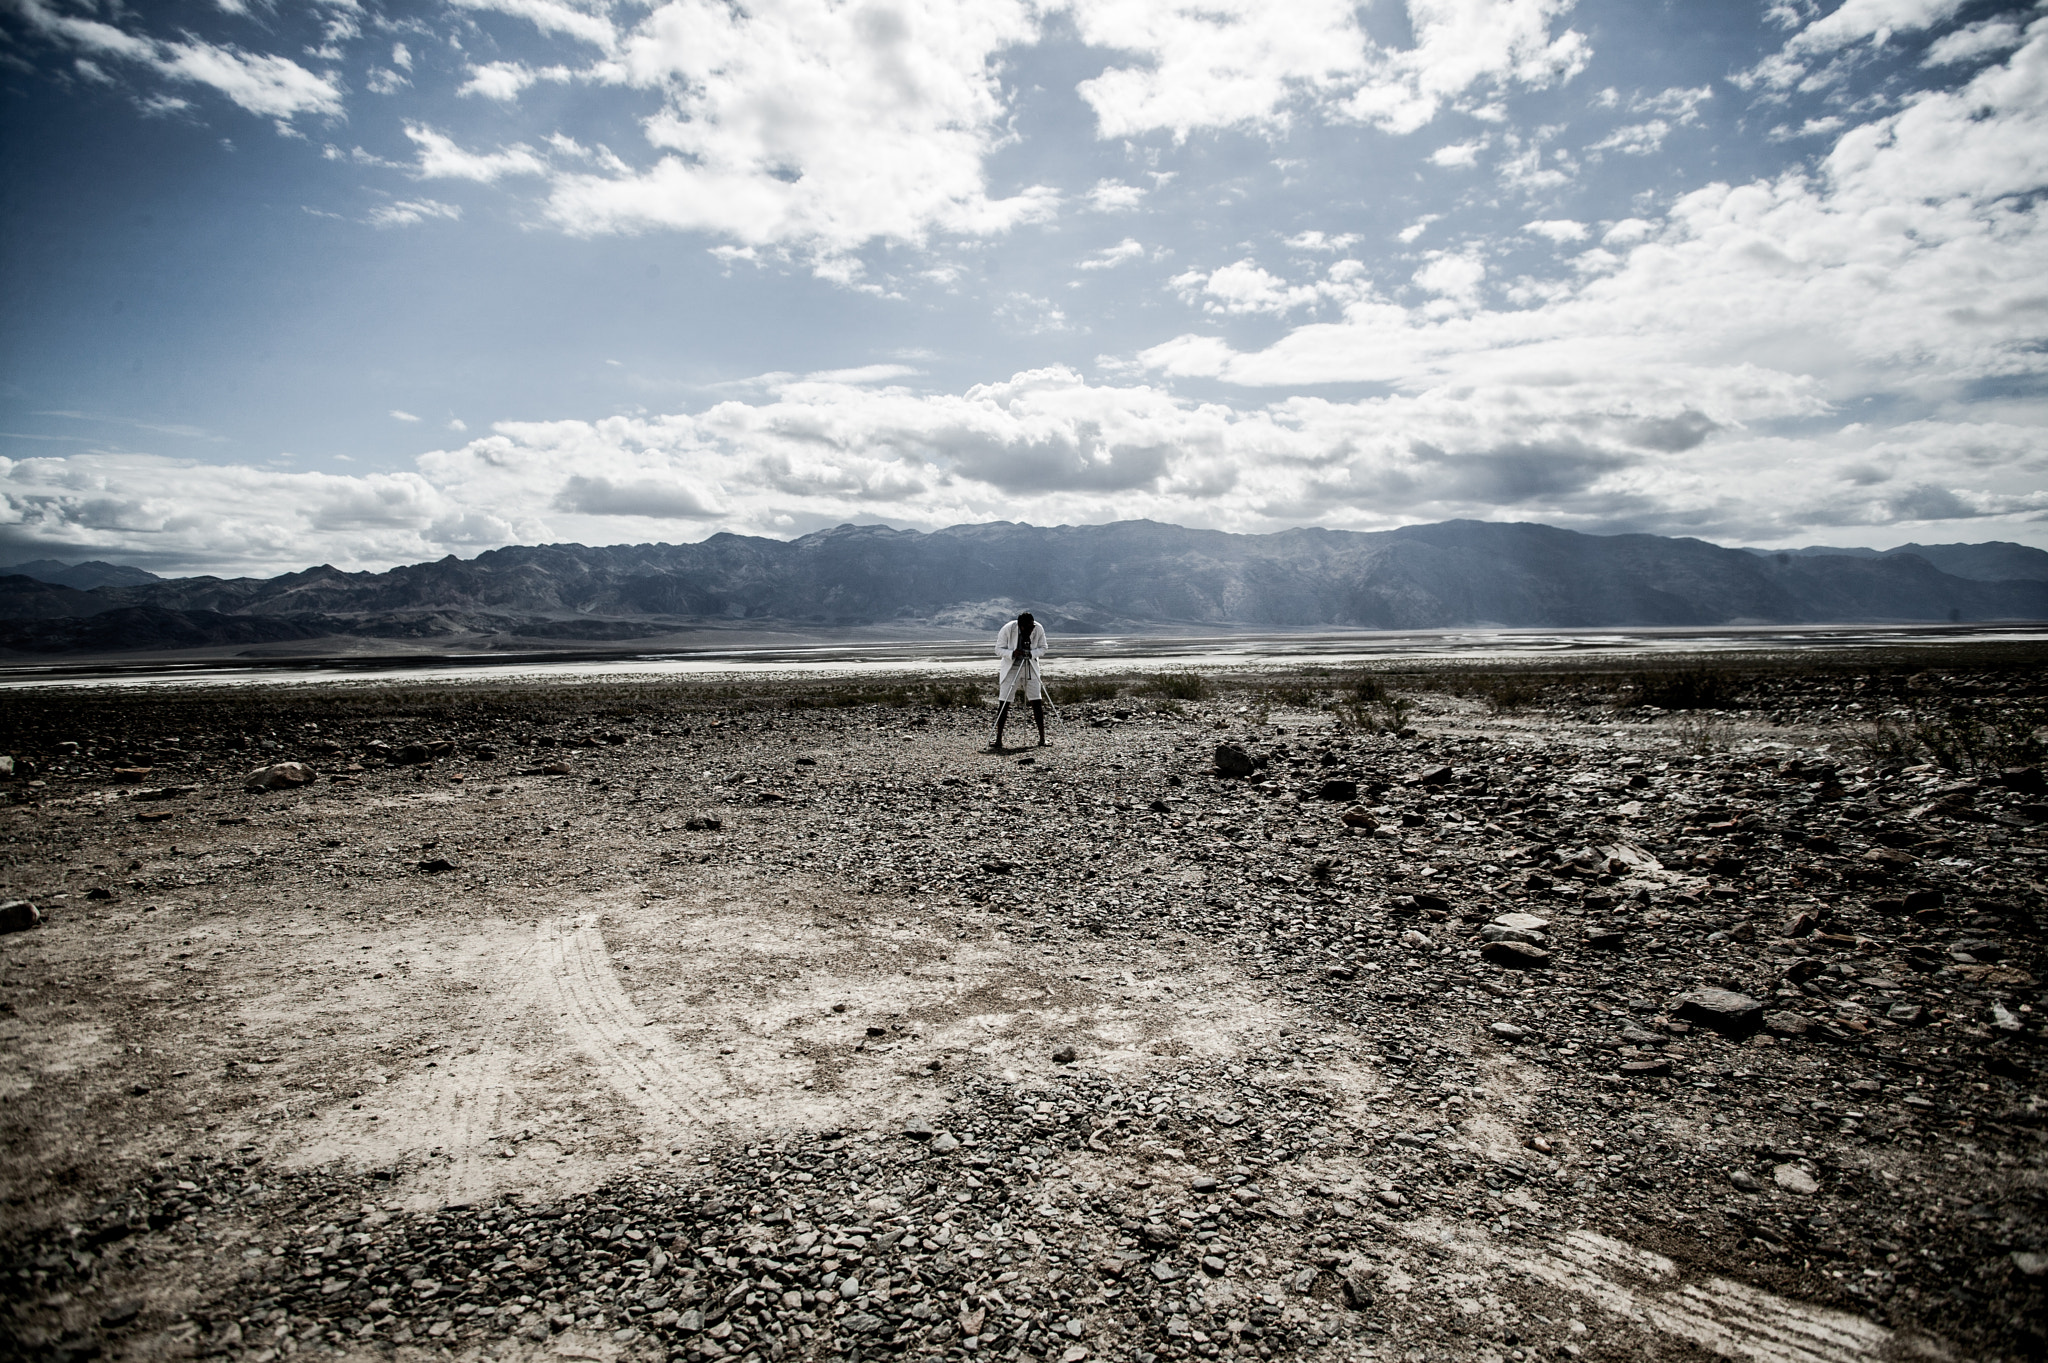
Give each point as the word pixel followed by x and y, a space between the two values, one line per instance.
pixel 1851 24
pixel 1985 38
pixel 1414 230
pixel 456 423
pixel 1109 257
pixel 1252 63
pixel 1458 154
pixel 1322 241
pixel 1461 45
pixel 406 212
pixel 1628 232
pixel 1827 126
pixel 586 22
pixel 798 124
pixel 1246 288
pixel 266 85
pixel 441 159
pixel 1902 270
pixel 865 373
pixel 382 81
pixel 503 81
pixel 1455 277
pixel 1113 196
pixel 1677 102
pixel 1559 230
pixel 1877 20
pixel 1529 168
pixel 401 56
pixel 397 415
pixel 1217 64
pixel 1635 139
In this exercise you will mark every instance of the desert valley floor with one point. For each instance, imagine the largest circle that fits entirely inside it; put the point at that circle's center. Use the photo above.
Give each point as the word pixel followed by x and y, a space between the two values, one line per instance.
pixel 1448 1014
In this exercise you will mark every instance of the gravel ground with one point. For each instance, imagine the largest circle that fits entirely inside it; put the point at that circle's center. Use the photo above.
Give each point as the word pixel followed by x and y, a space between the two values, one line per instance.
pixel 773 1022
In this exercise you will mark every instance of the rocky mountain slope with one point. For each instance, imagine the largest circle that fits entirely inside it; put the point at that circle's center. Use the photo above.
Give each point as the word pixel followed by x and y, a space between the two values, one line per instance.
pixel 1123 576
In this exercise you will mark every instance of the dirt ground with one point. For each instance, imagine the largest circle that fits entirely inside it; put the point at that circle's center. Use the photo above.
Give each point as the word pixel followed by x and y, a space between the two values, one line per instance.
pixel 691 1020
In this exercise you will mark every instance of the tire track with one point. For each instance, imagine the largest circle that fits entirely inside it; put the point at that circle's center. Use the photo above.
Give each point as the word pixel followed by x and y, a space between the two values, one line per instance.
pixel 476 1105
pixel 445 1114
pixel 637 1060
pixel 1725 1317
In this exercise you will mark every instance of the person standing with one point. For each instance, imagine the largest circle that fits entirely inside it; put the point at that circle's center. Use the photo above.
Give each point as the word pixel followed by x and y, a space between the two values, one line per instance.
pixel 1019 646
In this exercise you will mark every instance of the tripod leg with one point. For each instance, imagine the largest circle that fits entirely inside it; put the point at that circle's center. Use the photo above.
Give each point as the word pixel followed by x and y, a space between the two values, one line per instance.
pixel 1038 713
pixel 1002 718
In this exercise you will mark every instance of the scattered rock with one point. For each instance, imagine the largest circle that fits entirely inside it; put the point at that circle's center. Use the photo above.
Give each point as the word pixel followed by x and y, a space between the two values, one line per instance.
pixel 279 776
pixel 1515 955
pixel 1793 1179
pixel 1785 1024
pixel 1156 1235
pixel 1233 762
pixel 1744 1181
pixel 19 915
pixel 1508 1031
pixel 1065 1055
pixel 1723 1010
pixel 1357 1284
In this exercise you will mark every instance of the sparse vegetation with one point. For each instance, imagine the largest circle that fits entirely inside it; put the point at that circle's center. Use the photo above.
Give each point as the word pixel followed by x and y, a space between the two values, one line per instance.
pixel 1186 684
pixel 1082 690
pixel 1701 734
pixel 937 695
pixel 1507 692
pixel 1691 688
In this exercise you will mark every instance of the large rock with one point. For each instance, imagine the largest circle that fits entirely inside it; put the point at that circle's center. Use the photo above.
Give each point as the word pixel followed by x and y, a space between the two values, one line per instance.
pixel 1723 1010
pixel 1794 1179
pixel 1786 1024
pixel 279 776
pixel 1233 761
pixel 1515 955
pixel 1494 932
pixel 1335 789
pixel 18 915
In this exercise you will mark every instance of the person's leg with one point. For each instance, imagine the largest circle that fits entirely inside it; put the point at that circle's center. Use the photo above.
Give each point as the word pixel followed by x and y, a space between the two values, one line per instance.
pixel 1002 718
pixel 1038 713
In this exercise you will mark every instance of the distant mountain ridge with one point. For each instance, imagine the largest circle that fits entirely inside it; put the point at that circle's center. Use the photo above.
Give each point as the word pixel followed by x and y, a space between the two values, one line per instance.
pixel 1129 575
pixel 83 576
pixel 1992 561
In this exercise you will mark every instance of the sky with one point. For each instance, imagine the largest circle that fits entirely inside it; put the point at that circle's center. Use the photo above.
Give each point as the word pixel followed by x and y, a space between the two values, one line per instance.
pixel 368 284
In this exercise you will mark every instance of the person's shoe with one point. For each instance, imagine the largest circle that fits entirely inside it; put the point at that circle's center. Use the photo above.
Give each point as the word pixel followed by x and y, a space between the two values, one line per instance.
pixel 1043 744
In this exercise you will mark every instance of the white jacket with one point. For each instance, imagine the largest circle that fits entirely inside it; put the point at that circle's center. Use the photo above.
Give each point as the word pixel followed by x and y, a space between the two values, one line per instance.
pixel 1010 671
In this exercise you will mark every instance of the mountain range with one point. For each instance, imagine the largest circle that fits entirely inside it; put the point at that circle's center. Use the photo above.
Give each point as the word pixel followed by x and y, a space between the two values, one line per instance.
pixel 1125 576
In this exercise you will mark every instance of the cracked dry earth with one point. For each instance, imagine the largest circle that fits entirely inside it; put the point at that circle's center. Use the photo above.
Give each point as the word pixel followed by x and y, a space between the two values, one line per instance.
pixel 924 1052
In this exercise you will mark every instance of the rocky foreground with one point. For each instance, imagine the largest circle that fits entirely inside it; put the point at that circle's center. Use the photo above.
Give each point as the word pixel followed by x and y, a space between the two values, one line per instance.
pixel 783 1023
